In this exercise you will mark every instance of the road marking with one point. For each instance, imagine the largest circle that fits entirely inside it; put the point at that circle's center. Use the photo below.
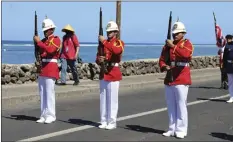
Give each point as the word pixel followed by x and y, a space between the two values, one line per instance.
pixel 71 130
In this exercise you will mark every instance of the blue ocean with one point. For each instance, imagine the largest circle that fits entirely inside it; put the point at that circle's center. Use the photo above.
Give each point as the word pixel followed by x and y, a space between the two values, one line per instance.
pixel 22 52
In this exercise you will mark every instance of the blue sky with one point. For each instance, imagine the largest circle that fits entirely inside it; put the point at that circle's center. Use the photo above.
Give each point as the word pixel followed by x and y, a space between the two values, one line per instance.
pixel 142 22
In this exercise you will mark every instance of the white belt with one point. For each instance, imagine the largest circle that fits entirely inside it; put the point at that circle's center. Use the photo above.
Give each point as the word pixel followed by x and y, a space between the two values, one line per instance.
pixel 114 64
pixel 49 60
pixel 229 61
pixel 184 64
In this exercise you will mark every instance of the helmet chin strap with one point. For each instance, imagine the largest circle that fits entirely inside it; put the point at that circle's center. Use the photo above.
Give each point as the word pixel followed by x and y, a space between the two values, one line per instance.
pixel 49 33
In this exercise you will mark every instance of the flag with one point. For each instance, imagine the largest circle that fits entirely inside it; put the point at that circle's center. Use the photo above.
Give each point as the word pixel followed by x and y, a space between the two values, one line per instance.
pixel 221 41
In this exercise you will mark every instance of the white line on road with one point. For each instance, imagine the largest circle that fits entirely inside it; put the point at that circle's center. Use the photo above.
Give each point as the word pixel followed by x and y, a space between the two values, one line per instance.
pixel 71 130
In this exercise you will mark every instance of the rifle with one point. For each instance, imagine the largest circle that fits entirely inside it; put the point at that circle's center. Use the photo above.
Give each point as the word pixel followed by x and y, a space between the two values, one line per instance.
pixel 215 23
pixel 169 76
pixel 38 63
pixel 103 68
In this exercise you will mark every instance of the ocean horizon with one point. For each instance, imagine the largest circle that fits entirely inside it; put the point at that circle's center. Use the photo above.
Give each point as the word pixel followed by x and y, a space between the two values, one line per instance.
pixel 91 42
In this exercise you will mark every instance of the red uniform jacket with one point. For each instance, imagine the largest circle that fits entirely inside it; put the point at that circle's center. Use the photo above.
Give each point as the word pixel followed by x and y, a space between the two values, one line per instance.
pixel 49 49
pixel 113 52
pixel 181 52
pixel 69 45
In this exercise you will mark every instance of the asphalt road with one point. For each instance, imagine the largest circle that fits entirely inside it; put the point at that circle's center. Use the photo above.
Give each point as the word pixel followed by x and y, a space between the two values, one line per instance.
pixel 142 117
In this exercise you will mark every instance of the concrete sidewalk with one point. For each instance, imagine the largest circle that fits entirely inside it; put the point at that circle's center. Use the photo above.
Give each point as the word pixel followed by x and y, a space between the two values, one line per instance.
pixel 16 94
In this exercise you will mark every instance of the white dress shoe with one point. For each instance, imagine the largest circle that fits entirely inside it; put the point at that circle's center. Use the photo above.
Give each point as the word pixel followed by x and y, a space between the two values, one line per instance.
pixel 110 126
pixel 103 126
pixel 230 100
pixel 41 120
pixel 49 120
pixel 180 135
pixel 168 134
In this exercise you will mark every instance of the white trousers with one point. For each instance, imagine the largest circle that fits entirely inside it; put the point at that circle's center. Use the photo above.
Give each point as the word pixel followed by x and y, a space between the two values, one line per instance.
pixel 109 101
pixel 176 98
pixel 47 96
pixel 230 84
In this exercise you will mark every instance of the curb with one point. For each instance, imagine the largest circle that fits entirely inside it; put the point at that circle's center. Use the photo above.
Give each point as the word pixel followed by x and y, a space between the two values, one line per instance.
pixel 13 101
pixel 17 100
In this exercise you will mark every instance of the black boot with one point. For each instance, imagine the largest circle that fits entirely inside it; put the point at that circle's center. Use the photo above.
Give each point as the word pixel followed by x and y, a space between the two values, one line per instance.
pixel 225 85
pixel 76 83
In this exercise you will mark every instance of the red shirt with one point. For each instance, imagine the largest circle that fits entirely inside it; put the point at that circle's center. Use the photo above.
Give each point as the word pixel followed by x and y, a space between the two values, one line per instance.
pixel 181 52
pixel 49 49
pixel 113 52
pixel 69 47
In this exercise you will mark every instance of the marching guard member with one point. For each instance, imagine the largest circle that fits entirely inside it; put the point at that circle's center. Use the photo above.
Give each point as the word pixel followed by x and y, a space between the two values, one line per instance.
pixel 176 92
pixel 109 85
pixel 228 64
pixel 224 79
pixel 49 49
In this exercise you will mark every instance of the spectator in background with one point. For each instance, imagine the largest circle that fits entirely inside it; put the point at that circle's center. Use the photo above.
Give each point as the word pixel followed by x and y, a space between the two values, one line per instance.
pixel 69 54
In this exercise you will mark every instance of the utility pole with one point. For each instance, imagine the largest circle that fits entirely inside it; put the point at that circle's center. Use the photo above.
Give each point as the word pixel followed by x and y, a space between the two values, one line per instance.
pixel 118 17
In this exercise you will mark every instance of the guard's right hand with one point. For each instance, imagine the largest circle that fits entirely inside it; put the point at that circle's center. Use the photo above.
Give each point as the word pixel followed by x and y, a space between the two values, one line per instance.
pixel 36 38
pixel 101 38
pixel 101 59
pixel 169 43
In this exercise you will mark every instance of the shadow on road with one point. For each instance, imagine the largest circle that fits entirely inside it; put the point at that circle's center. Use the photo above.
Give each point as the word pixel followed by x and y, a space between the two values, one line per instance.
pixel 206 87
pixel 142 129
pixel 21 117
pixel 81 122
pixel 160 78
pixel 213 100
pixel 223 136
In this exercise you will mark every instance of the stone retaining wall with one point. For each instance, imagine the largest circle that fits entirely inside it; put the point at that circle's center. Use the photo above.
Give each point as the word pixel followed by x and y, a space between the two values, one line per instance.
pixel 25 73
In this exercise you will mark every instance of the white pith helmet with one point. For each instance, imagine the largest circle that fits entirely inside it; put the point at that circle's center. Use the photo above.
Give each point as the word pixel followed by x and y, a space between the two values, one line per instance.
pixel 112 26
pixel 178 27
pixel 47 24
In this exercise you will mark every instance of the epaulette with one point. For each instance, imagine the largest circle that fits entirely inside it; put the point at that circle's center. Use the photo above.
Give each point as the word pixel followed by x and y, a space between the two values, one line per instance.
pixel 184 41
pixel 118 43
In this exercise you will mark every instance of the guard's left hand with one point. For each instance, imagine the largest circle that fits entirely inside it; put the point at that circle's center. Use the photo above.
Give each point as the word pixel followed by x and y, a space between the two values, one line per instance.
pixel 219 51
pixel 36 38
pixel 76 56
pixel 169 43
pixel 101 38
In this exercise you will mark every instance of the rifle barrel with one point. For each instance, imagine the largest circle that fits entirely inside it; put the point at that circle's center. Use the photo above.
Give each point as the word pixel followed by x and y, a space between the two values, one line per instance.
pixel 36 32
pixel 169 26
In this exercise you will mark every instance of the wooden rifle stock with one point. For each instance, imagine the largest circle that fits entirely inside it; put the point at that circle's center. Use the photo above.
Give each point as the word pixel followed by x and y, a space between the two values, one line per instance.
pixel 169 76
pixel 38 63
